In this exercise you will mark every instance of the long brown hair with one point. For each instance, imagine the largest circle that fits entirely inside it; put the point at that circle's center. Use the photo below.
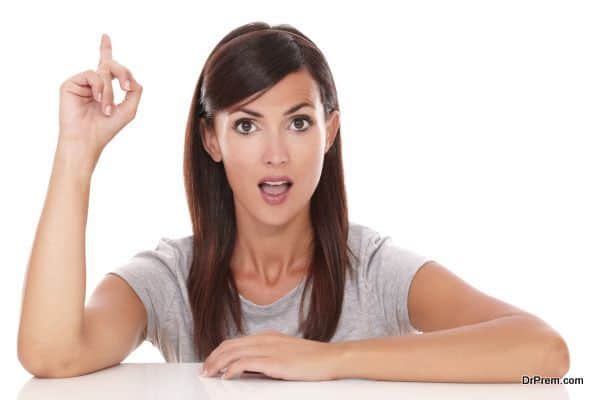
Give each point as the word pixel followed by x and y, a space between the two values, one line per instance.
pixel 247 61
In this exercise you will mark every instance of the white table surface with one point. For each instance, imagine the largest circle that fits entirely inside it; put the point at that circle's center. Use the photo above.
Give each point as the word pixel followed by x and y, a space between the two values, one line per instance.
pixel 182 381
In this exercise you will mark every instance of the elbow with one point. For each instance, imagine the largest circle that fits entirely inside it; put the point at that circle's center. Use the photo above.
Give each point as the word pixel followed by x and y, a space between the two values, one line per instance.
pixel 47 371
pixel 40 371
pixel 556 361
pixel 30 361
pixel 39 368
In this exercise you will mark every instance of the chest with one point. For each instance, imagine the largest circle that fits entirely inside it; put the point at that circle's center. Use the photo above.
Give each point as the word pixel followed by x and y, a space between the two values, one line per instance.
pixel 263 295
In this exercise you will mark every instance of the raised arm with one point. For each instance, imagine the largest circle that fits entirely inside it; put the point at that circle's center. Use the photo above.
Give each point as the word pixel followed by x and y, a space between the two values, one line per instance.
pixel 52 312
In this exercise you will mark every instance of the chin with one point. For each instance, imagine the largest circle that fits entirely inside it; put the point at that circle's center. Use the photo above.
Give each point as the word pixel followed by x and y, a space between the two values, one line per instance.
pixel 275 217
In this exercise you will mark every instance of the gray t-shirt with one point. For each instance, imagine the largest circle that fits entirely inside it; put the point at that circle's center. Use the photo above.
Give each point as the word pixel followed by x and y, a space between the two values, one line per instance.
pixel 376 305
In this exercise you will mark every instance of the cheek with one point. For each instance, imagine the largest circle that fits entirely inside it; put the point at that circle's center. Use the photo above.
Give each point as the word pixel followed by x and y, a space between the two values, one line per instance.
pixel 239 161
pixel 309 165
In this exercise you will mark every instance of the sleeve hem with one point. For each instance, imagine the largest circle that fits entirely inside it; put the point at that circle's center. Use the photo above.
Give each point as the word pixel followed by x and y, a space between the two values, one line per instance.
pixel 404 313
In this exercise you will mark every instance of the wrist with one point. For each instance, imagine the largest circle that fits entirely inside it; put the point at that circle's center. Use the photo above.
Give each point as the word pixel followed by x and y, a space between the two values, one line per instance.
pixel 341 355
pixel 71 160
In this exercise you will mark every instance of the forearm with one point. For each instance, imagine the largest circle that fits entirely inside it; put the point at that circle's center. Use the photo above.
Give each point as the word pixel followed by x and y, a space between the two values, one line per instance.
pixel 54 288
pixel 501 350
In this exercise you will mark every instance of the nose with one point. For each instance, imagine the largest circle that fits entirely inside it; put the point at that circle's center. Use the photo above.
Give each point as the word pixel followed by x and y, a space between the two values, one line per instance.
pixel 276 151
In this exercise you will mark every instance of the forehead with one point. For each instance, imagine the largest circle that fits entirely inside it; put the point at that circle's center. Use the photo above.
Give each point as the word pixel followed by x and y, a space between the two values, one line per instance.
pixel 294 87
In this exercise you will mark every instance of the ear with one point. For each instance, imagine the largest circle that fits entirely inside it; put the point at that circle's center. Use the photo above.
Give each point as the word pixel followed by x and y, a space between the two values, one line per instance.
pixel 210 142
pixel 333 125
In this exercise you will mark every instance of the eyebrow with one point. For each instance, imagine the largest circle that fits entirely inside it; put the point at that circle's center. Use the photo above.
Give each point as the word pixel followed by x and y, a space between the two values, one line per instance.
pixel 291 110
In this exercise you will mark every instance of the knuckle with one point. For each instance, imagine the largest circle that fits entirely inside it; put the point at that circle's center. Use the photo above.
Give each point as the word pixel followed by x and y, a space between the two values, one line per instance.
pixel 119 66
pixel 104 71
pixel 113 65
pixel 129 116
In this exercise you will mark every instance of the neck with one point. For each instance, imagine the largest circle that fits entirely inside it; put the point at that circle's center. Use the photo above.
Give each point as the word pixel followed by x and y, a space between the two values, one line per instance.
pixel 272 253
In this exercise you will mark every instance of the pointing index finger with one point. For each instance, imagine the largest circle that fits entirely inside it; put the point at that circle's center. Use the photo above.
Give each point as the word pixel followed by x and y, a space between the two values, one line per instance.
pixel 105 48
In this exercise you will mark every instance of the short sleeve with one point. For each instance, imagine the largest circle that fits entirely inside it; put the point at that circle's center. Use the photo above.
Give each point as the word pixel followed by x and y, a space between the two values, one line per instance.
pixel 152 275
pixel 389 271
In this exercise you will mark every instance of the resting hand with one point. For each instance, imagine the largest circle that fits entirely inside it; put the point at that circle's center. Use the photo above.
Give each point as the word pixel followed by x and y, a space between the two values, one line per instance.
pixel 274 354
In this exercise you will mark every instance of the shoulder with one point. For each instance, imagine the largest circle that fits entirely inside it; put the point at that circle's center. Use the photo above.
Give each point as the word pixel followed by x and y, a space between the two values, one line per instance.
pixel 360 243
pixel 361 240
pixel 360 235
pixel 168 258
pixel 379 256
pixel 178 251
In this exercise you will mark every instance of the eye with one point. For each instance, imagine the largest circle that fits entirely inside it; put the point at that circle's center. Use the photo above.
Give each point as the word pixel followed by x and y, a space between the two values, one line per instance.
pixel 304 118
pixel 244 123
pixel 301 124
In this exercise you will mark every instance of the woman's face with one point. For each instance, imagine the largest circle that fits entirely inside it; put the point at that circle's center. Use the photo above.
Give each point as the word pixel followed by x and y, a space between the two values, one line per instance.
pixel 269 140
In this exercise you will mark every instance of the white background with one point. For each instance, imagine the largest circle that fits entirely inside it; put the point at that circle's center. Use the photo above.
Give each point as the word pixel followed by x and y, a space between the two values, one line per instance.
pixel 470 134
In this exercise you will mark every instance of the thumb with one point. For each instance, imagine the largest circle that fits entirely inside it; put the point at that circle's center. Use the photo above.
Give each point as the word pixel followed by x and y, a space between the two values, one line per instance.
pixel 129 105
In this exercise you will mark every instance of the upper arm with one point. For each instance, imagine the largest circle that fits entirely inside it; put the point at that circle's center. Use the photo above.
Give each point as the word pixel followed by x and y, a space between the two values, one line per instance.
pixel 114 325
pixel 438 299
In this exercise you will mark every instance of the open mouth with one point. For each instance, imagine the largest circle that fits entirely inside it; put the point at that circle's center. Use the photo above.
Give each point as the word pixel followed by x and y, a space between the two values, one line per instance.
pixel 274 189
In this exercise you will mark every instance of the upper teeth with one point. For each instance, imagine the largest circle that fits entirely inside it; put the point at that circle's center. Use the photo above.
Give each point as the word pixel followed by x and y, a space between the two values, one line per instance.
pixel 274 183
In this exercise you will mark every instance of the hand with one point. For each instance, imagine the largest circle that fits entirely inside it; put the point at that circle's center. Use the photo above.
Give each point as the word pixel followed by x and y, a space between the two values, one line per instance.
pixel 83 98
pixel 275 354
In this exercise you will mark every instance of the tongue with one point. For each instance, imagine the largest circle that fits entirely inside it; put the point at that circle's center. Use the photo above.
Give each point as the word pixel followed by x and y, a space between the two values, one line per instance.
pixel 274 189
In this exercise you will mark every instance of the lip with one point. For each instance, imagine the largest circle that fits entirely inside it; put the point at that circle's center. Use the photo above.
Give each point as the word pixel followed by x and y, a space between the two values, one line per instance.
pixel 275 200
pixel 276 179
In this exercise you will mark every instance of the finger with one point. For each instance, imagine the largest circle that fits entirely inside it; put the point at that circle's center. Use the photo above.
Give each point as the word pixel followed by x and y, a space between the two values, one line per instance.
pixel 81 91
pixel 214 361
pixel 128 107
pixel 267 336
pixel 265 365
pixel 105 49
pixel 228 357
pixel 226 344
pixel 108 71
pixel 107 93
pixel 122 73
pixel 83 82
pixel 221 347
pixel 104 71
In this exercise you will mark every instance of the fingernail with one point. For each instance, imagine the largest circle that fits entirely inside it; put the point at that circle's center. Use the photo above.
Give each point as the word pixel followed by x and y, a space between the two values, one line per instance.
pixel 127 85
pixel 107 110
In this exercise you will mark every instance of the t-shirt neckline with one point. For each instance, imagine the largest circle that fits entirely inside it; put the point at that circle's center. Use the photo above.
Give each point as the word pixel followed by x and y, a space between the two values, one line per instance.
pixel 277 302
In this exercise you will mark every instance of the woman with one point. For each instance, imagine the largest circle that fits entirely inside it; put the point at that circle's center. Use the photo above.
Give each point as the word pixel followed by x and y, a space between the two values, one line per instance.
pixel 265 186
